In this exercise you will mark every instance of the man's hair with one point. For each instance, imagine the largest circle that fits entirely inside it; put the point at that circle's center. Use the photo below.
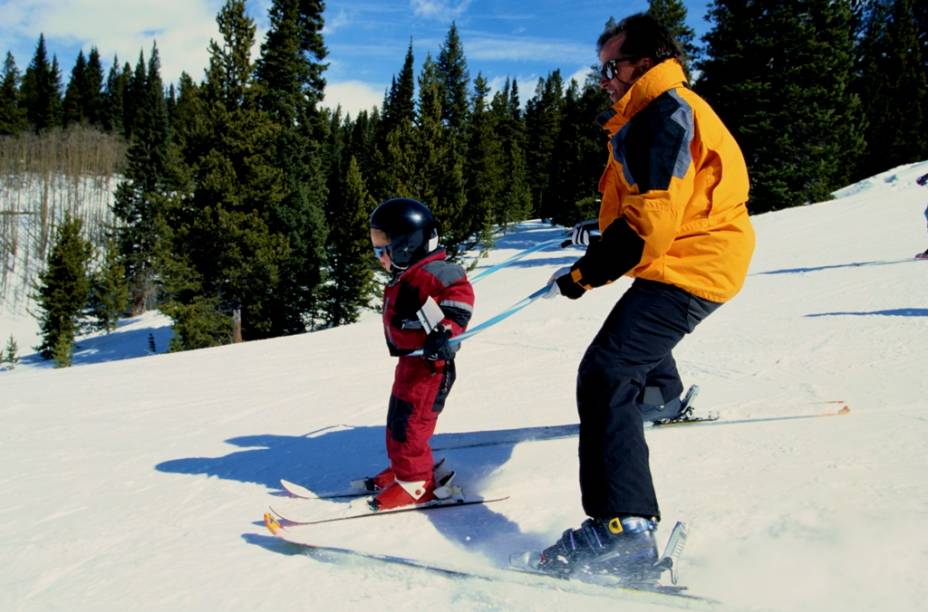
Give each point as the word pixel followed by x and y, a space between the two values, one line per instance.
pixel 644 37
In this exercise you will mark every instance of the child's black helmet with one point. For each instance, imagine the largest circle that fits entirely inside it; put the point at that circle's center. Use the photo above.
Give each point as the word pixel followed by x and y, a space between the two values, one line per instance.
pixel 411 228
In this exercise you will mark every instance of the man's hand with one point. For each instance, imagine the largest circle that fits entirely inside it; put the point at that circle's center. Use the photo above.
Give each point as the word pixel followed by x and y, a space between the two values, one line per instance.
pixel 561 283
pixel 585 232
pixel 437 346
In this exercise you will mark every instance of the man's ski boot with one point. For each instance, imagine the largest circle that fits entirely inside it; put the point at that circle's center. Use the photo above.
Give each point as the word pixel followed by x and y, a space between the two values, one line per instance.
pixel 674 410
pixel 620 548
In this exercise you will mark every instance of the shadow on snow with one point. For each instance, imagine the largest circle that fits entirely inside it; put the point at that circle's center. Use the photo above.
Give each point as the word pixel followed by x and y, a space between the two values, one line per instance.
pixel 114 346
pixel 855 264
pixel 892 312
pixel 327 459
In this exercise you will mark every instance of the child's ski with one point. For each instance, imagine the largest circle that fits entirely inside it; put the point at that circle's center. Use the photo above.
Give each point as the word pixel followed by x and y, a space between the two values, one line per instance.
pixel 360 487
pixel 306 514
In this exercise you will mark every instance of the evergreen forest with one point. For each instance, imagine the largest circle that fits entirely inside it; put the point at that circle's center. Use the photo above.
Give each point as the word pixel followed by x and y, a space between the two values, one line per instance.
pixel 240 204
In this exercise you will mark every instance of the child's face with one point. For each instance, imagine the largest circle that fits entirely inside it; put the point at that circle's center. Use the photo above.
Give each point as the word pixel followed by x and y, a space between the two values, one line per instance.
pixel 380 240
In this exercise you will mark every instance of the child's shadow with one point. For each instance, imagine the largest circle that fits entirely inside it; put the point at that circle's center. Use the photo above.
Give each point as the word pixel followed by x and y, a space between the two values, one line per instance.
pixel 328 459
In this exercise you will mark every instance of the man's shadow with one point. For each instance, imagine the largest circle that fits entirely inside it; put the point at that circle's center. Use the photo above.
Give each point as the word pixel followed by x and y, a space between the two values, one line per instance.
pixel 327 460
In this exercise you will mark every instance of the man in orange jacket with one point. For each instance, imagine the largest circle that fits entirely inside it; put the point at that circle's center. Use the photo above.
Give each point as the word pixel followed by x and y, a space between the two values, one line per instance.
pixel 674 216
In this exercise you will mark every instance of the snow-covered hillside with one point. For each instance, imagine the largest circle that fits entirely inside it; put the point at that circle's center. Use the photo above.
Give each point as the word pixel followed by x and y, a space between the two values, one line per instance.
pixel 140 483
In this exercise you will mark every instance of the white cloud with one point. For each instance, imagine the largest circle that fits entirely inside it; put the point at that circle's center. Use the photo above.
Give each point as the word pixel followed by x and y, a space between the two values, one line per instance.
pixel 182 28
pixel 580 76
pixel 439 9
pixel 353 96
pixel 514 49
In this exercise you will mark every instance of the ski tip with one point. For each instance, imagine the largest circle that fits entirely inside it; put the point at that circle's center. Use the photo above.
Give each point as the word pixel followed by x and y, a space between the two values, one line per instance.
pixel 524 560
pixel 272 524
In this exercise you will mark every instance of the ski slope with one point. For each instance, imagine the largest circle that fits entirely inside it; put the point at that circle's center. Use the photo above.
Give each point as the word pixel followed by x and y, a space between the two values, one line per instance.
pixel 139 483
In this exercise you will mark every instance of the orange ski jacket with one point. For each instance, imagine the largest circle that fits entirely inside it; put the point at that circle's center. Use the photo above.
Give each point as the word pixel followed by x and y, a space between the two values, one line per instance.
pixel 676 179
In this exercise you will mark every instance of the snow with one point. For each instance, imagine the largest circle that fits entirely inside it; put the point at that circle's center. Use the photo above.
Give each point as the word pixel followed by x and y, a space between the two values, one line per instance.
pixel 141 482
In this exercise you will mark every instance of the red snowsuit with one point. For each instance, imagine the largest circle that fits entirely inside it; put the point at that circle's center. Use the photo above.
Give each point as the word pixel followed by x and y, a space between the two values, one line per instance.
pixel 420 386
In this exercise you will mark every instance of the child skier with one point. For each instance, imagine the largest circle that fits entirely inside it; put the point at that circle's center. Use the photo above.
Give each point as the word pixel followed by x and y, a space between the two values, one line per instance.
pixel 427 301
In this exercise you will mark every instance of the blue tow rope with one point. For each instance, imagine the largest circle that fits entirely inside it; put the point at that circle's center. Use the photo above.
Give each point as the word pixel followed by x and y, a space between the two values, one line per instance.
pixel 514 259
pixel 493 320
pixel 512 309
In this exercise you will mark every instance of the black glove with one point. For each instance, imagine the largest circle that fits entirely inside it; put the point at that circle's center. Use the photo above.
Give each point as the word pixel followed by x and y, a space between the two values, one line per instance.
pixel 568 288
pixel 437 346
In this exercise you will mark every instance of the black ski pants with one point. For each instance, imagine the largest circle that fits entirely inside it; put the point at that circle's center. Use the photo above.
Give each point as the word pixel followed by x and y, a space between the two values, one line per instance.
pixel 632 350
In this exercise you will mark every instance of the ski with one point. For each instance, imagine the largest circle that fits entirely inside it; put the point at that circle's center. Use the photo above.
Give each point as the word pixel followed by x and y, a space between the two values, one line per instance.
pixel 360 487
pixel 687 420
pixel 666 596
pixel 302 492
pixel 843 410
pixel 570 430
pixel 302 514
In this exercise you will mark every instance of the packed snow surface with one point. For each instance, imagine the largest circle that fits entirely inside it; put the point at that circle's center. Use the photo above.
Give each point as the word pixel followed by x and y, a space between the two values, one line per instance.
pixel 137 479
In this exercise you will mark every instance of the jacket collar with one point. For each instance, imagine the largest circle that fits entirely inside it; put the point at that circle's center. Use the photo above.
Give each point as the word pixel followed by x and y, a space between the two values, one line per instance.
pixel 438 253
pixel 659 79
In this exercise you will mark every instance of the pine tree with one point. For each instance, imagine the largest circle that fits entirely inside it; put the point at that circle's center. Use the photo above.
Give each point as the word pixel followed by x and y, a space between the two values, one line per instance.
pixel 485 181
pixel 762 54
pixel 91 95
pixel 140 198
pixel 454 78
pixel 109 291
pixel 672 15
pixel 543 115
pixel 437 166
pixel 72 109
pixel 230 71
pixel 136 84
pixel 114 92
pixel 515 200
pixel 893 86
pixel 199 324
pixel 12 117
pixel 350 283
pixel 577 161
pixel 289 78
pixel 40 93
pixel 392 157
pixel 11 353
pixel 399 106
pixel 225 255
pixel 62 290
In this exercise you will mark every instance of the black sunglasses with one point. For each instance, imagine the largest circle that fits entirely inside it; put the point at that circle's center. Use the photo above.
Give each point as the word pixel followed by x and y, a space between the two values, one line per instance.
pixel 611 68
pixel 380 250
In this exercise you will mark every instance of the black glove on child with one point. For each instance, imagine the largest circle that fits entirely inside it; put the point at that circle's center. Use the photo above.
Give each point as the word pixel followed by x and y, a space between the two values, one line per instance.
pixel 437 346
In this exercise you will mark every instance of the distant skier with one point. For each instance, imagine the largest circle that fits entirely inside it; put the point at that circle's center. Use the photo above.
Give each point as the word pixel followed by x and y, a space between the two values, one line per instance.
pixel 923 181
pixel 427 301
pixel 673 215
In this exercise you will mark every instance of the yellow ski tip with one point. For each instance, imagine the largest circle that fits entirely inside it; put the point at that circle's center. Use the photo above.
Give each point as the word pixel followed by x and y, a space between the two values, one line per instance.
pixel 272 524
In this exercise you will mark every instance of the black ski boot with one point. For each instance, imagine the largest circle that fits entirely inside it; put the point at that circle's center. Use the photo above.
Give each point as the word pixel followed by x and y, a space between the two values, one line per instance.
pixel 622 548
pixel 675 410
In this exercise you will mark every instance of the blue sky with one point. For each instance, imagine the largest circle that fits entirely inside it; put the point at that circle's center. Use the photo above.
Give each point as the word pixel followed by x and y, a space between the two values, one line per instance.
pixel 366 39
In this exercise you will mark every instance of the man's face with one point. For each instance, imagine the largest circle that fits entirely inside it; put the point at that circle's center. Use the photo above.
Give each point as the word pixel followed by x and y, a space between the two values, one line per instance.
pixel 627 69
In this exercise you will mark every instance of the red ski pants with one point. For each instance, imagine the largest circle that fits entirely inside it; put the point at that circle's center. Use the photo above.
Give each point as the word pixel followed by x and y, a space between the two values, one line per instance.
pixel 420 388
